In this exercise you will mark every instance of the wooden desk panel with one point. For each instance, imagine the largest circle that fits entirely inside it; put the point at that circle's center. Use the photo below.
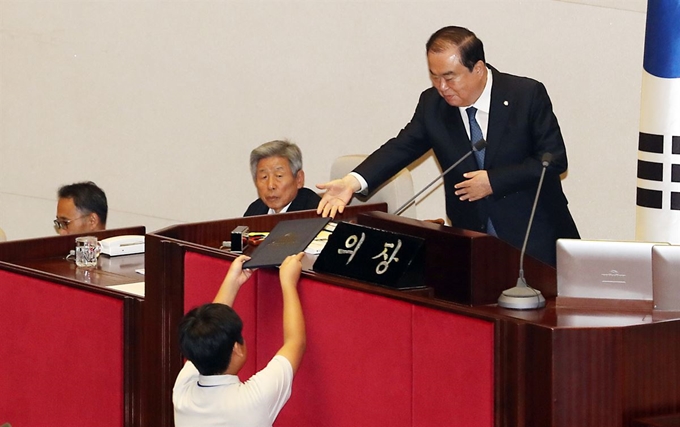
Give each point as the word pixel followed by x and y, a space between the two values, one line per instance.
pixel 212 233
pixel 109 271
pixel 590 368
pixel 15 251
pixel 672 420
pixel 41 262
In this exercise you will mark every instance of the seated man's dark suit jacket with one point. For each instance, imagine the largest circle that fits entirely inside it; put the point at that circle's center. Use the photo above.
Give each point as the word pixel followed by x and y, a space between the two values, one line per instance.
pixel 305 199
pixel 522 127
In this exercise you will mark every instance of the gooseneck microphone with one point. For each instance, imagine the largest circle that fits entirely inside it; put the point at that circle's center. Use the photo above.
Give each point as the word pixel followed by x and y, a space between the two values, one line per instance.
pixel 477 146
pixel 523 296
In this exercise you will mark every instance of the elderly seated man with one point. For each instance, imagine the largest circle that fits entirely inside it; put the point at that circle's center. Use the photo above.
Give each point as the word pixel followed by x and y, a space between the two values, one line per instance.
pixel 276 167
pixel 81 208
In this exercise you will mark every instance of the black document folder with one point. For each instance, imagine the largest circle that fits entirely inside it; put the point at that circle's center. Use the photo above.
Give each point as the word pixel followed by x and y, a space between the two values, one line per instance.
pixel 287 238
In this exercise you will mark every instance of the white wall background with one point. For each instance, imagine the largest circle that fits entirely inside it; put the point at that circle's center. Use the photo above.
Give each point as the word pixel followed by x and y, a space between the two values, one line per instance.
pixel 160 102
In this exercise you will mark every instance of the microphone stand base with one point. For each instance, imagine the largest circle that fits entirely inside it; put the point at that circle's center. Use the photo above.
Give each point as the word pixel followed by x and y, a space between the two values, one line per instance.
pixel 521 298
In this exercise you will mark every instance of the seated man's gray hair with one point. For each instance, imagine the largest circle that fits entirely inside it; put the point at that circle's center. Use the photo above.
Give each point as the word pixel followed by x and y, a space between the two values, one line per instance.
pixel 277 148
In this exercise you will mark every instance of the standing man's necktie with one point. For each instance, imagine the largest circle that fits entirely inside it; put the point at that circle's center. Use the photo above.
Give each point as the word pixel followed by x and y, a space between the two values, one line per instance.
pixel 476 135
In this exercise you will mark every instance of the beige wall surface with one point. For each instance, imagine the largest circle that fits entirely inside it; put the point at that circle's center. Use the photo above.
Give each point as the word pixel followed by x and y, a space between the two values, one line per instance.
pixel 160 102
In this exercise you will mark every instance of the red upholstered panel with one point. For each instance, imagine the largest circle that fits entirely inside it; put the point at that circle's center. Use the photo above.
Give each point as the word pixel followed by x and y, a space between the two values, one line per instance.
pixel 357 369
pixel 203 276
pixel 452 370
pixel 61 355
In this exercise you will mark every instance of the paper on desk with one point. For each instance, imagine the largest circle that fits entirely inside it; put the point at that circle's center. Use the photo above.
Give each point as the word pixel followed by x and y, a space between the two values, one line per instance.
pixel 130 288
pixel 318 243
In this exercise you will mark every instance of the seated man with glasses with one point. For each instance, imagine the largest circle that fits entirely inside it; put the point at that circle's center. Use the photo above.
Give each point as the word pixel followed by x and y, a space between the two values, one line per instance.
pixel 81 208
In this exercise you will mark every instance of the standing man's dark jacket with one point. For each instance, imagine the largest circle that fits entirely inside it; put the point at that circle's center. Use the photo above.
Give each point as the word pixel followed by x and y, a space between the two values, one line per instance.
pixel 522 127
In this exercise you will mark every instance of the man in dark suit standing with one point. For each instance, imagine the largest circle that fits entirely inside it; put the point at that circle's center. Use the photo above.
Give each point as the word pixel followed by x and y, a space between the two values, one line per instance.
pixel 276 167
pixel 493 191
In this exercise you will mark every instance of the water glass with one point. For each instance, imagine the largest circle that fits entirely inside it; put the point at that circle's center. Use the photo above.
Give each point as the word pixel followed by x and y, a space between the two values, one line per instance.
pixel 87 251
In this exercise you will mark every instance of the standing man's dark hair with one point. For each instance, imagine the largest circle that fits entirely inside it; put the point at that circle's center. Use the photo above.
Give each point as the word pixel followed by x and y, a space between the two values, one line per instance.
pixel 82 207
pixel 471 48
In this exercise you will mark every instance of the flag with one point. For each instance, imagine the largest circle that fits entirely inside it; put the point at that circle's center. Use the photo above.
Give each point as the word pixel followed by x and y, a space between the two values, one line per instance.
pixel 658 168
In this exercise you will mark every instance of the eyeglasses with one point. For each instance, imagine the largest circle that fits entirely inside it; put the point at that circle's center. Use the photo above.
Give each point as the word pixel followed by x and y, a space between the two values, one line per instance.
pixel 62 224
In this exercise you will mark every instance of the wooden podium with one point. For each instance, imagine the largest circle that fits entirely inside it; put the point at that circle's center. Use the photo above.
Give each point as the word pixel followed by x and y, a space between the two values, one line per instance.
pixel 465 266
pixel 552 367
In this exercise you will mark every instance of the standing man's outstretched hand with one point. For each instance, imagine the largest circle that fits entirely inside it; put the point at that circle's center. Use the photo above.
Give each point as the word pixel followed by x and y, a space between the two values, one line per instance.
pixel 338 194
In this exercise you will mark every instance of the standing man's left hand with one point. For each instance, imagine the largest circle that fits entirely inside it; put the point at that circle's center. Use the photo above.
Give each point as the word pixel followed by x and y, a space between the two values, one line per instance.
pixel 475 187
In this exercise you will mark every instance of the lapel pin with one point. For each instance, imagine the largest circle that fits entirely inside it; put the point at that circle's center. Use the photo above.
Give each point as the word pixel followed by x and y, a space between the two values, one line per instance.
pixel 505 103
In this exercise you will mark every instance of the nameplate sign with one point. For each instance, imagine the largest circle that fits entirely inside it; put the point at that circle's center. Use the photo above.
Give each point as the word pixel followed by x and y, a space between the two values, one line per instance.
pixel 375 256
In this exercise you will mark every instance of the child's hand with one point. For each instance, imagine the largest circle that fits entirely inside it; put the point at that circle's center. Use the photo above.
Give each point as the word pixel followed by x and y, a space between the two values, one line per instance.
pixel 289 272
pixel 237 275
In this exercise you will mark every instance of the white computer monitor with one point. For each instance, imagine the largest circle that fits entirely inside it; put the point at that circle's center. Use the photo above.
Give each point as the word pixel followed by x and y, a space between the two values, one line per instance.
pixel 605 269
pixel 666 277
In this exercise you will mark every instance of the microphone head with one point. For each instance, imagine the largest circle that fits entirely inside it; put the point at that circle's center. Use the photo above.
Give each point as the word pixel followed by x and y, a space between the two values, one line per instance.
pixel 546 159
pixel 479 145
